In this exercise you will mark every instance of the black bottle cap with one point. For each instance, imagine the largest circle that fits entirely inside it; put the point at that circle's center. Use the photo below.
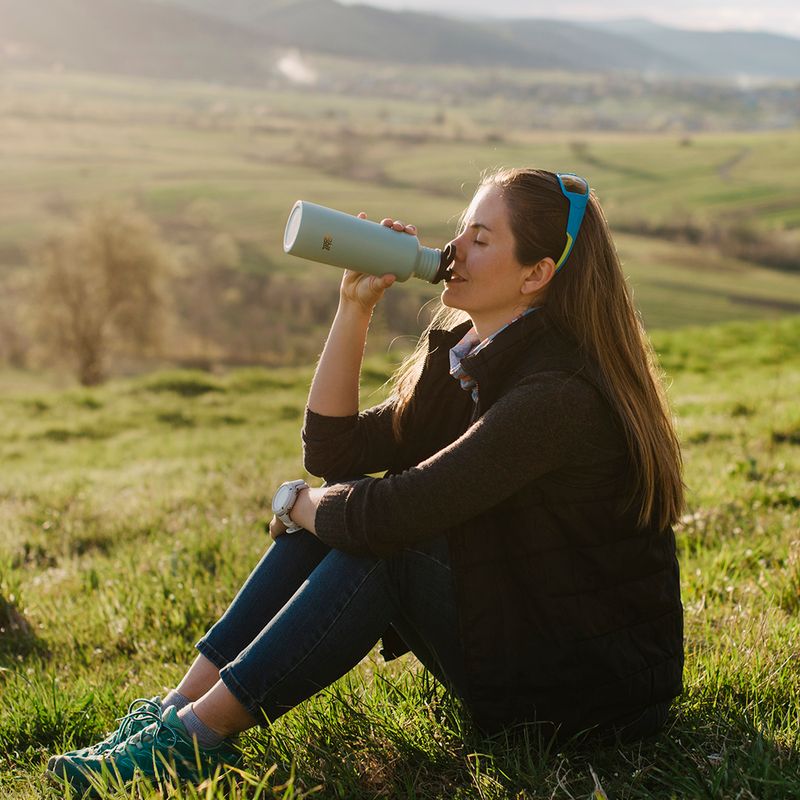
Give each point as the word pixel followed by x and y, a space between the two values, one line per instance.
pixel 446 262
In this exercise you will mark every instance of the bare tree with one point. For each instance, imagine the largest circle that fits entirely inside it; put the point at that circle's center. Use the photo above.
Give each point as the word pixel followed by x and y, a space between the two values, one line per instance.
pixel 101 289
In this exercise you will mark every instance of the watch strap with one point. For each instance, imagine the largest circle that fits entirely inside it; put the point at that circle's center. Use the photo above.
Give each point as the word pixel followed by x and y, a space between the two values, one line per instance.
pixel 296 487
pixel 291 525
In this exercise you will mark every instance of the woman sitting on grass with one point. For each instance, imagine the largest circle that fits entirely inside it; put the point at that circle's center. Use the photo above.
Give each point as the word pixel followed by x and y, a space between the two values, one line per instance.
pixel 520 542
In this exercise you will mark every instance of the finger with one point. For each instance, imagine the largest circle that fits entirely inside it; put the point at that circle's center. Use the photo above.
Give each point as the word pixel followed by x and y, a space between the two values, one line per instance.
pixel 276 528
pixel 388 280
pixel 362 214
pixel 399 226
pixel 412 229
pixel 387 221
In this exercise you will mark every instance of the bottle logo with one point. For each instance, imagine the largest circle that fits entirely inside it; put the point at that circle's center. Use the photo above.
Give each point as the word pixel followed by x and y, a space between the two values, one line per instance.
pixel 327 241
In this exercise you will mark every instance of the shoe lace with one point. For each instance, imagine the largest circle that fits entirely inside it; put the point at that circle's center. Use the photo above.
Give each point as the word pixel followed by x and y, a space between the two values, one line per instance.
pixel 150 735
pixel 139 710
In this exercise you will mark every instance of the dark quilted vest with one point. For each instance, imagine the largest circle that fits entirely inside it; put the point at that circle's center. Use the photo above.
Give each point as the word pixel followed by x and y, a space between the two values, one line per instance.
pixel 569 612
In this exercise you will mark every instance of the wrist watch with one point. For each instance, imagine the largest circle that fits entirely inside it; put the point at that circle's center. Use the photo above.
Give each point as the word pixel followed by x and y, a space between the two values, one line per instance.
pixel 283 501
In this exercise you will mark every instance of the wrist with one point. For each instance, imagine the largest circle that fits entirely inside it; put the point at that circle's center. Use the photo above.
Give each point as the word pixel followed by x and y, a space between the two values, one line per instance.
pixel 352 311
pixel 300 507
pixel 304 512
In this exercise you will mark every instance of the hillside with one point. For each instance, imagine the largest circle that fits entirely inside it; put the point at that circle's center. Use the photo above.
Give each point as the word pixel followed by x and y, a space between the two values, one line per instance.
pixel 235 42
pixel 366 32
pixel 136 38
pixel 736 54
pixel 369 33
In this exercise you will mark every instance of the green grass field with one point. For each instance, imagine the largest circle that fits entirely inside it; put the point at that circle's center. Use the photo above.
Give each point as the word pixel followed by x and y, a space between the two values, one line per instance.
pixel 129 514
pixel 242 157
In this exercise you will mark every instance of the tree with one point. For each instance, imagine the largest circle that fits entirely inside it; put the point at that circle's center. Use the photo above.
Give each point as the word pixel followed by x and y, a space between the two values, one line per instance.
pixel 101 289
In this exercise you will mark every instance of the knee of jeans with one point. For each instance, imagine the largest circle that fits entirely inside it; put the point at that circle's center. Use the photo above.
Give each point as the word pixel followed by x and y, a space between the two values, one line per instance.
pixel 413 569
pixel 433 550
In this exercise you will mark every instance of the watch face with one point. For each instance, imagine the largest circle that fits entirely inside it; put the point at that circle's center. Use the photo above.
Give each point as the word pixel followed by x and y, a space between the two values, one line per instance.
pixel 281 499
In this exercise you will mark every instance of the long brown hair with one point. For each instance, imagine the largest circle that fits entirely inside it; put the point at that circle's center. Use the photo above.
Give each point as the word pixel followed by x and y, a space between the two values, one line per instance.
pixel 589 301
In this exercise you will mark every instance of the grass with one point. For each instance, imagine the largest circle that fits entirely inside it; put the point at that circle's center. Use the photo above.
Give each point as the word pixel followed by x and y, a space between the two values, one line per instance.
pixel 129 514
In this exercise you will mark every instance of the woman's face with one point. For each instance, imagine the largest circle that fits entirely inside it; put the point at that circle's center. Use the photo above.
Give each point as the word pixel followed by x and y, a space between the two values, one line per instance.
pixel 488 282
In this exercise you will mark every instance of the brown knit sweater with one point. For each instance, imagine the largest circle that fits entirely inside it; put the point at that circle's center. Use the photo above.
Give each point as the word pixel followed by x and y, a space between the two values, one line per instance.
pixel 550 423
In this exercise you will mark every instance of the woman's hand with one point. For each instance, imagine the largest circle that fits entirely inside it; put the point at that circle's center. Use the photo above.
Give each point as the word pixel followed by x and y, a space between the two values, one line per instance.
pixel 276 528
pixel 362 290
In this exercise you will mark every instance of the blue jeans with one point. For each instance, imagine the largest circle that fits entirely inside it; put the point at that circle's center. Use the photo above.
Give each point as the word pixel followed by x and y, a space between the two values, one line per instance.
pixel 308 614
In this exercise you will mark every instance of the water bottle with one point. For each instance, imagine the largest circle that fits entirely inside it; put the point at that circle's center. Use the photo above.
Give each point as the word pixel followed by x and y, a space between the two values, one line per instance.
pixel 342 240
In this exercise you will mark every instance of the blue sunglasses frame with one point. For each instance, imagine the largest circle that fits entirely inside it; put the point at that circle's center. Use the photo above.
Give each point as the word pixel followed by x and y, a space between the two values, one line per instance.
pixel 577 208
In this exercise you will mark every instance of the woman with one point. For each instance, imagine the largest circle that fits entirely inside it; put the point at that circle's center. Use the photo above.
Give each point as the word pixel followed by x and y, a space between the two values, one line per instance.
pixel 520 542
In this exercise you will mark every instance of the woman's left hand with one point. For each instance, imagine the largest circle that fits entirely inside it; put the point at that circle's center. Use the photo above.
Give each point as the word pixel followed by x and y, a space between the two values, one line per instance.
pixel 276 528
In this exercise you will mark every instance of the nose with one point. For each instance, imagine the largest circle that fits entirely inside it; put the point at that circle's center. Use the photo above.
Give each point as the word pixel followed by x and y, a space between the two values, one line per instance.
pixel 458 247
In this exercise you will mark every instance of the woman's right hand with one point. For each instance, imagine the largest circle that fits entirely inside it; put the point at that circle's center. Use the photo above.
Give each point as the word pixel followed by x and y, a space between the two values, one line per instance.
pixel 362 290
pixel 334 390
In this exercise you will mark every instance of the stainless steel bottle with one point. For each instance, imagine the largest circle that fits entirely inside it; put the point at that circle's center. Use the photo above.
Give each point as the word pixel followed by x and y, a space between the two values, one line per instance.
pixel 342 240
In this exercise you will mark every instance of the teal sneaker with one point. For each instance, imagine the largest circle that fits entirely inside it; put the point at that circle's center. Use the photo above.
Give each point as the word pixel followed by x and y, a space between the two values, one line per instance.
pixel 141 713
pixel 163 750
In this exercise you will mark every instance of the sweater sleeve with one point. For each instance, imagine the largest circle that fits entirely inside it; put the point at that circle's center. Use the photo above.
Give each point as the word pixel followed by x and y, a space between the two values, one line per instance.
pixel 337 448
pixel 549 421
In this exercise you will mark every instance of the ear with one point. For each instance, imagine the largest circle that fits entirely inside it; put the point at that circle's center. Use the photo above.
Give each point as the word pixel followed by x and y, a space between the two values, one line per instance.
pixel 538 276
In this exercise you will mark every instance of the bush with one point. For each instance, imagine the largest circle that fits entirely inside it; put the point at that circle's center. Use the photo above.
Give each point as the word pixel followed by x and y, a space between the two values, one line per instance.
pixel 100 290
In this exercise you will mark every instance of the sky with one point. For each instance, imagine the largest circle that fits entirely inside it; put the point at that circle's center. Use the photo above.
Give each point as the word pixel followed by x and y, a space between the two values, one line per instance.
pixel 776 16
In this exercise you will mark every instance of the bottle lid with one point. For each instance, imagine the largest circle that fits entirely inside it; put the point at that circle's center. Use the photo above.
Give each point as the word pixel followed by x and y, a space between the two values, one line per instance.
pixel 292 226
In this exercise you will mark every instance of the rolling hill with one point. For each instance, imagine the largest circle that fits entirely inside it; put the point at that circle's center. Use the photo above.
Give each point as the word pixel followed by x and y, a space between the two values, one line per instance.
pixel 141 38
pixel 234 41
pixel 717 53
pixel 635 45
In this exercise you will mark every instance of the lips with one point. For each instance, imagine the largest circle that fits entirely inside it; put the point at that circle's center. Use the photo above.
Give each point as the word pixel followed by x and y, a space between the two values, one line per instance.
pixel 454 277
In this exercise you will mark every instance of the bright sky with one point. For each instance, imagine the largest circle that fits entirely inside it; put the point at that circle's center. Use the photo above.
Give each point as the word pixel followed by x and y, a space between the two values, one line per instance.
pixel 777 16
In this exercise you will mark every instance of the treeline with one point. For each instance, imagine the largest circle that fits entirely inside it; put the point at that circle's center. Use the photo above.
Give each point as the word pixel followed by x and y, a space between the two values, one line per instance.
pixel 589 101
pixel 113 291
pixel 228 316
pixel 776 249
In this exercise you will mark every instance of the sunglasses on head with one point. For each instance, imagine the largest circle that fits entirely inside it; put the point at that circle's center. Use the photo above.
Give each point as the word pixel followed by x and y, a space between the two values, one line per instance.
pixel 576 190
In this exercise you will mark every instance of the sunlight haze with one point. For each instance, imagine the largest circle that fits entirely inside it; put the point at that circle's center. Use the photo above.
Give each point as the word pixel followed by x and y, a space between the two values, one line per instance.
pixel 776 16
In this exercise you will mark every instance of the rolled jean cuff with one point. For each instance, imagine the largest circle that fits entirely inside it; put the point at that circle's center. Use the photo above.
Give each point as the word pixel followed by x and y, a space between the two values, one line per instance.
pixel 206 649
pixel 252 706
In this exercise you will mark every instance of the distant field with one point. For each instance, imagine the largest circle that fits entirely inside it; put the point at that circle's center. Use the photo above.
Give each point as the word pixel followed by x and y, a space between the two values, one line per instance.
pixel 678 284
pixel 243 157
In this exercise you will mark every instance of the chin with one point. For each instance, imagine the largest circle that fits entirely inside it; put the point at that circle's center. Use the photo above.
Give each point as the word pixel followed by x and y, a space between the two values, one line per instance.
pixel 450 301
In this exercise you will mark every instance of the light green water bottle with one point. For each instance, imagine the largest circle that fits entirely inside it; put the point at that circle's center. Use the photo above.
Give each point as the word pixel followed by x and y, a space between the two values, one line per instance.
pixel 342 240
